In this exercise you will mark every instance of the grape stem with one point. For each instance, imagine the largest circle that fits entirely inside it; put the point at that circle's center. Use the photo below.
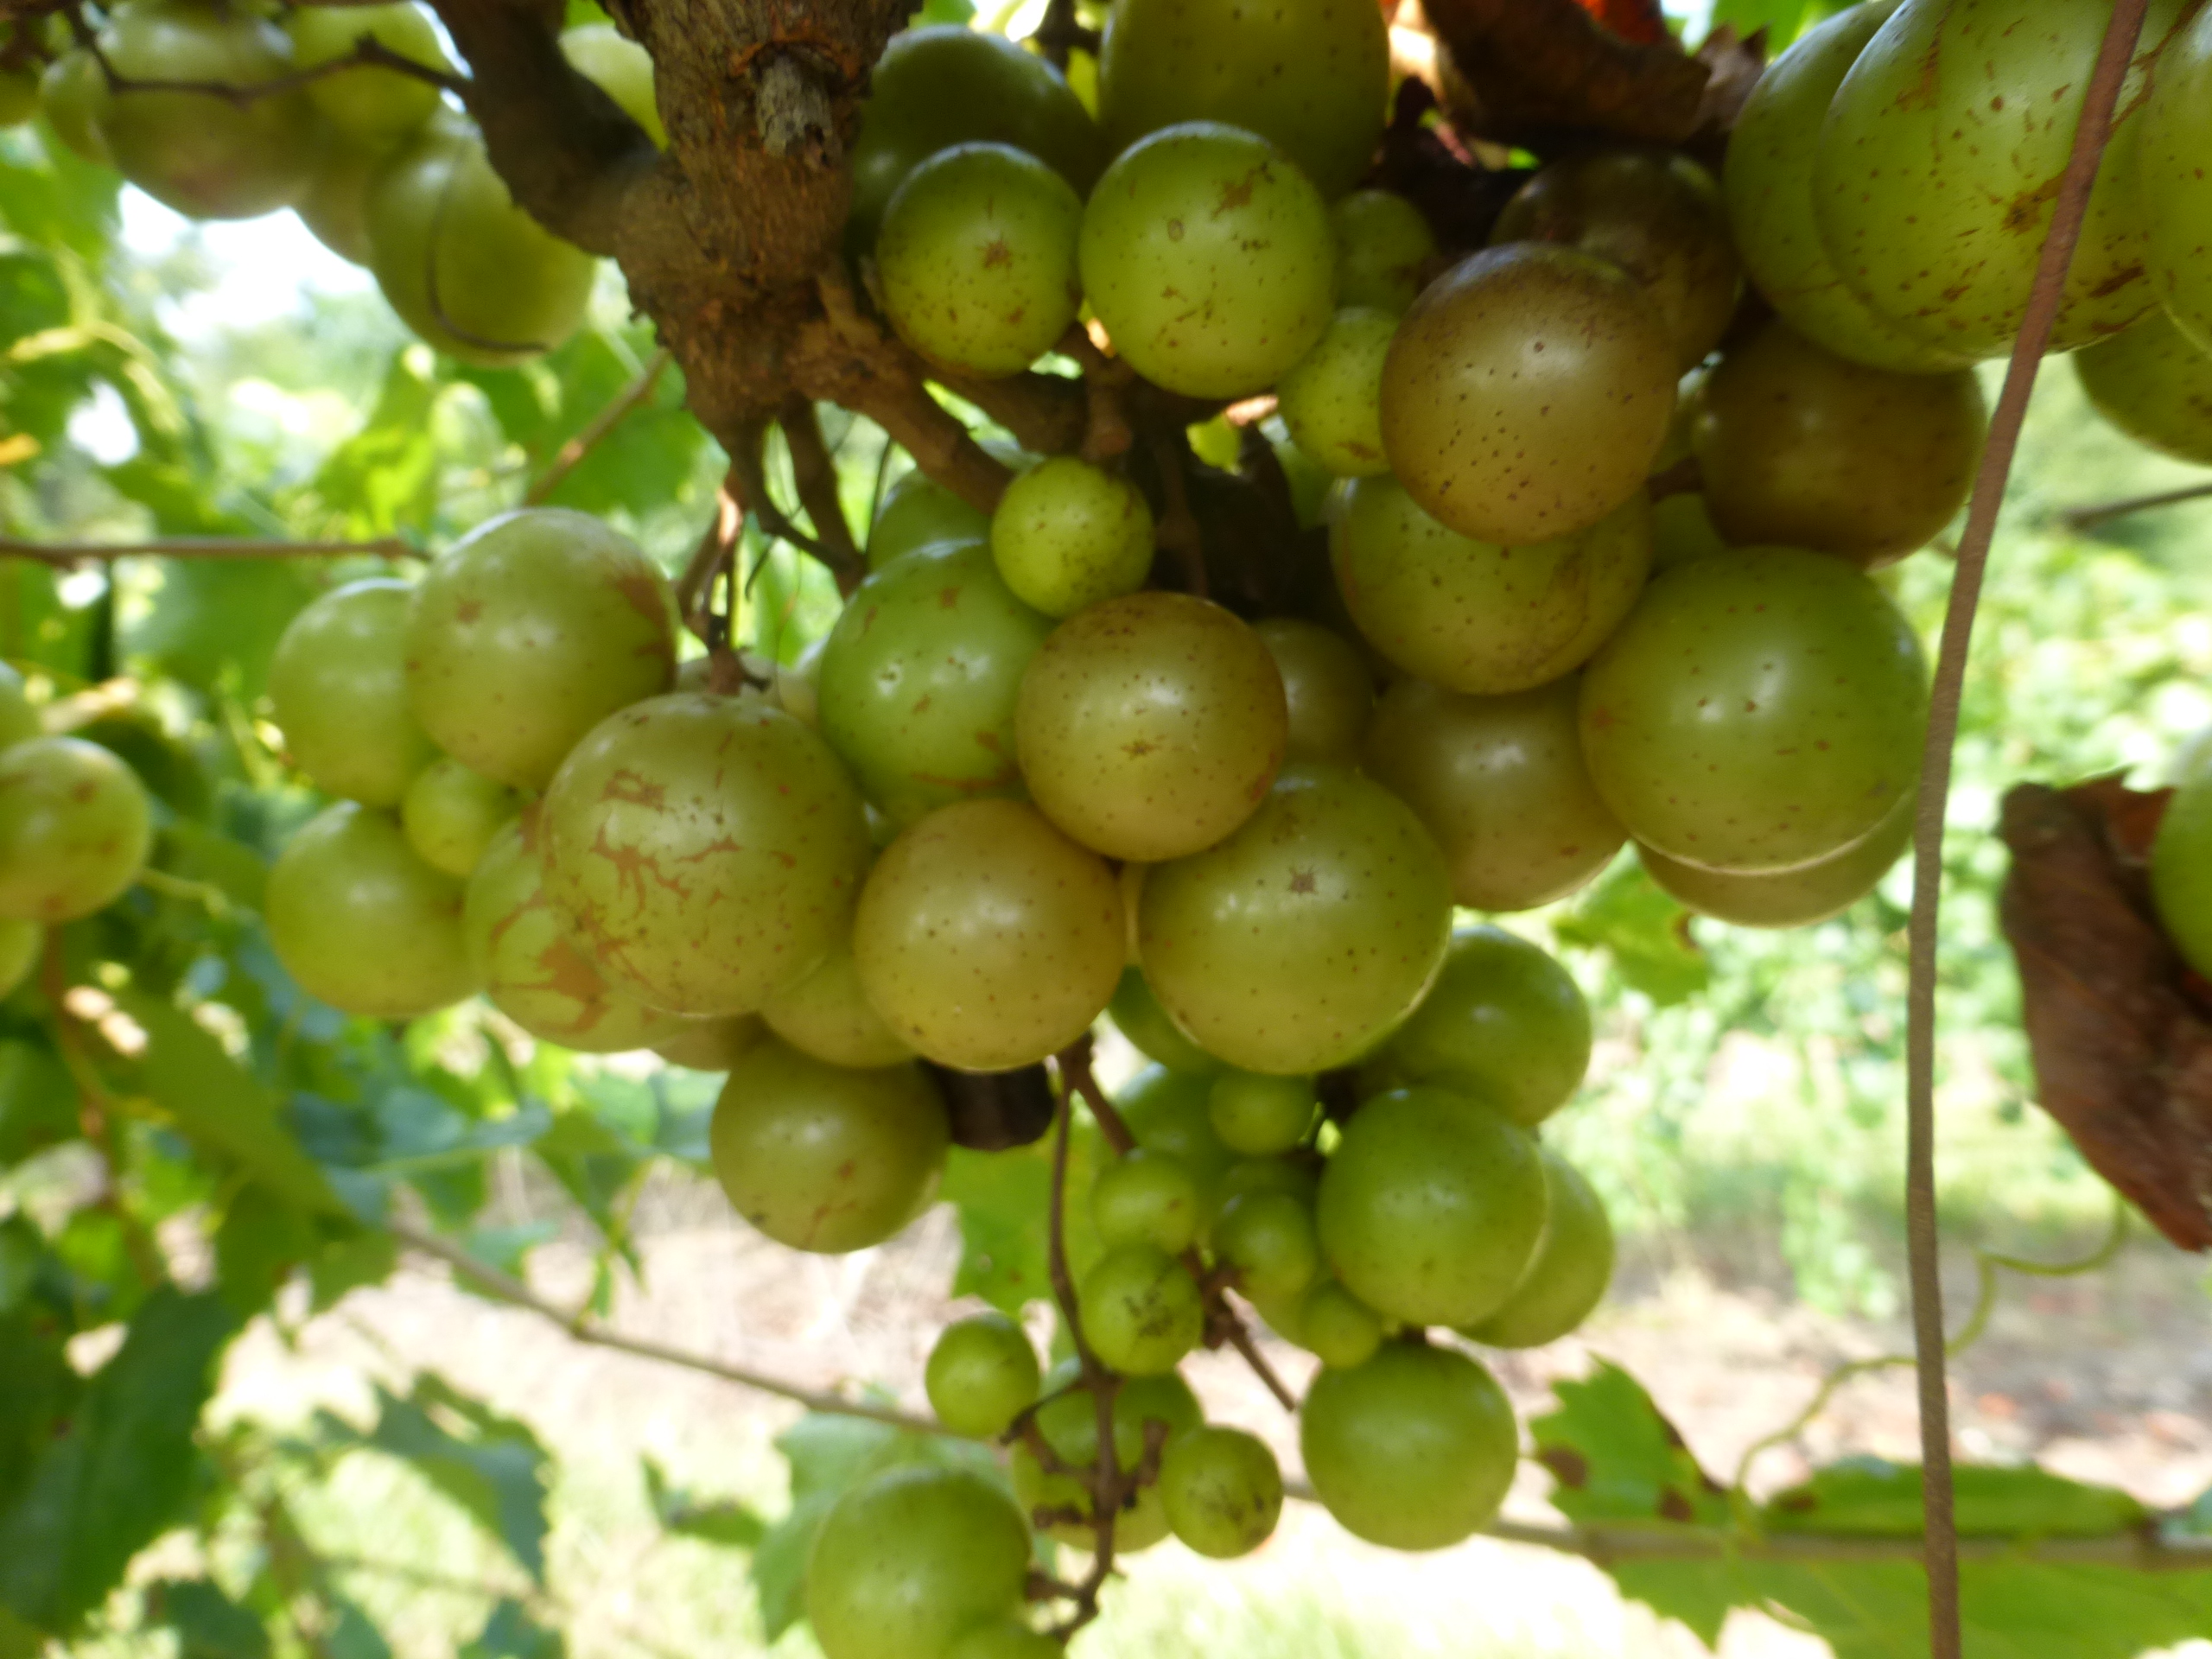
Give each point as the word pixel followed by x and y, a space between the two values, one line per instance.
pixel 2098 103
pixel 2083 518
pixel 1061 32
pixel 572 453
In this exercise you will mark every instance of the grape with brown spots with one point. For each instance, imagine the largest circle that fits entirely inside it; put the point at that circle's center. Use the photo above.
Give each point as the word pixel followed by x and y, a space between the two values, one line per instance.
pixel 1331 400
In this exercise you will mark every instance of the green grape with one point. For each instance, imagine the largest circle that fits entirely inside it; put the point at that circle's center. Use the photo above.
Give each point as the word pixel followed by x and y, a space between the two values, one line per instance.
pixel 334 205
pixel 1068 535
pixel 75 828
pixel 450 815
pixel 1260 1115
pixel 1500 782
pixel 21 946
pixel 1298 1178
pixel 1572 1265
pixel 708 849
pixel 2173 183
pixel 18 96
pixel 1384 247
pixel 1797 447
pixel 338 682
pixel 919 677
pixel 1526 394
pixel 72 93
pixel 2154 384
pixel 1413 1450
pixel 2181 869
pixel 1222 1492
pixel 361 921
pixel 910 1558
pixel 18 719
pixel 827 1015
pixel 1313 79
pixel 1147 1197
pixel 919 511
pixel 1341 1330
pixel 529 632
pixel 1431 1208
pixel 977 258
pixel 1326 686
pixel 622 69
pixel 1068 1421
pixel 798 685
pixel 1475 616
pixel 982 1374
pixel 1208 256
pixel 1269 1238
pixel 823 1158
pixel 1294 945
pixel 711 1044
pixel 519 949
pixel 1797 898
pixel 1331 399
pixel 1504 1023
pixel 375 108
pixel 1682 530
pixel 1310 483
pixel 1658 216
pixel 1141 1310
pixel 1004 1638
pixel 1136 1014
pixel 1758 711
pixel 1165 1112
pixel 1150 726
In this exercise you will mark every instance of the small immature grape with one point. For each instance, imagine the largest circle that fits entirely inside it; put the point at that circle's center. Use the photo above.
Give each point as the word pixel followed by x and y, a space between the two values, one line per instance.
pixel 2154 384
pixel 827 1015
pixel 916 512
pixel 1260 1115
pixel 1165 1111
pixel 1223 1489
pixel 1068 534
pixel 1337 1326
pixel 1325 682
pixel 1147 1197
pixel 1136 1014
pixel 1332 401
pixel 1298 1178
pixel 982 1374
pixel 1574 1265
pixel 75 827
pixel 450 815
pixel 1004 1638
pixel 1141 1310
pixel 1384 244
pixel 911 1557
pixel 1269 1238
pixel 977 256
pixel 1812 893
pixel 338 682
pixel 1069 1422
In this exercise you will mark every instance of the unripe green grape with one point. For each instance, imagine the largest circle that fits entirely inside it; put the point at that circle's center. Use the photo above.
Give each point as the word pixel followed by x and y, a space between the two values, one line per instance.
pixel 1004 1638
pixel 1326 686
pixel 1797 898
pixel 1068 1423
pixel 1222 1492
pixel 1208 256
pixel 1682 530
pixel 827 1015
pixel 18 719
pixel 982 1374
pixel 1383 244
pixel 334 205
pixel 18 96
pixel 1572 1265
pixel 1068 534
pixel 1269 1238
pixel 1136 1014
pixel 1413 1450
pixel 711 1044
pixel 2174 185
pixel 71 92
pixel 338 682
pixel 621 69
pixel 977 257
pixel 75 828
pixel 2154 384
pixel 1331 399
pixel 1141 1310
pixel 2181 869
pixel 1260 1115
pixel 919 511
pixel 361 922
pixel 1165 1112
pixel 1339 1328
pixel 798 685
pixel 376 107
pixel 1147 1197
pixel 1296 1178
pixel 909 1559
pixel 1310 483
pixel 450 815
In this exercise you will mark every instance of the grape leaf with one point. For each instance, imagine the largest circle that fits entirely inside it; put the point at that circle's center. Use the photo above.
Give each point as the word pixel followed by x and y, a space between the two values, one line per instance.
pixel 1613 1457
pixel 510 1633
pixel 260 1240
pixel 492 1466
pixel 353 1634
pixel 1873 1497
pixel 1644 931
pixel 716 1521
pixel 207 1623
pixel 384 478
pixel 38 1100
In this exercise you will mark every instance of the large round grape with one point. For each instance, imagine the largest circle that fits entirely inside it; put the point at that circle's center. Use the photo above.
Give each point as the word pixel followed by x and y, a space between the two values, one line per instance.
pixel 911 1557
pixel 1069 1422
pixel 450 815
pixel 827 1015
pixel 75 828
pixel 338 682
pixel 1796 898
pixel 823 1158
pixel 1759 710
pixel 919 680
pixel 1384 247
pixel 373 107
pixel 1504 1023
pixel 1067 534
pixel 1150 726
pixel 1208 256
pixel 1572 1265
pixel 1331 399
pixel 2175 185
pixel 1326 685
pixel 1501 783
pixel 1222 1492
pixel 977 257
pixel 987 940
pixel 530 631
pixel 72 92
pixel 2154 384
pixel 1313 78
pixel 1305 936
pixel 1796 447
pixel 982 1374
pixel 709 849
pixel 361 922
pixel 1768 183
pixel 1431 1207
pixel 1526 392
pixel 1476 616
pixel 1413 1450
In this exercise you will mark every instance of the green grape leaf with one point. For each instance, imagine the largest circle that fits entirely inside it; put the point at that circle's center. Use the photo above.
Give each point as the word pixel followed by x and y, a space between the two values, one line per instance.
pixel 38 1100
pixel 37 1391
pixel 716 1521
pixel 209 619
pixel 260 1240
pixel 207 1623
pixel 1001 1198
pixel 1646 934
pixel 1873 1497
pixel 510 1633
pixel 492 1466
pixel 1614 1457
pixel 385 478
pixel 353 1634
pixel 350 1262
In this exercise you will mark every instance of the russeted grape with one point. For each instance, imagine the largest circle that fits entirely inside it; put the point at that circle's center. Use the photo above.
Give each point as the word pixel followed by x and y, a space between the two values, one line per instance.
pixel 1260 1115
pixel 827 1015
pixel 1147 1197
pixel 708 849
pixel 823 1158
pixel 374 107
pixel 982 1374
pixel 2154 384
pixel 1136 1014
pixel 1413 1450
pixel 1526 392
pixel 1501 784
pixel 450 814
pixel 620 68
pixel 1331 399
pixel 1326 685
pixel 1796 898
pixel 1141 1310
pixel 1165 1112
pixel 1067 534
pixel 1476 616
pixel 1796 447
pixel 1003 1638
pixel 2173 183
pixel 1068 1423
pixel 71 92
pixel 1270 1239
pixel 977 257
pixel 1150 726
pixel 75 828
pixel 361 921
pixel 530 631
pixel 711 1044
pixel 1222 1492
pixel 986 938
pixel 1295 943
pixel 1504 1023
pixel 909 1559
pixel 919 676
pixel 1572 1265
pixel 916 511
pixel 1431 1208
pixel 1759 710
pixel 1383 244
pixel 338 682
pixel 1208 256
pixel 1339 1328
pixel 1657 215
